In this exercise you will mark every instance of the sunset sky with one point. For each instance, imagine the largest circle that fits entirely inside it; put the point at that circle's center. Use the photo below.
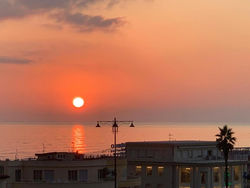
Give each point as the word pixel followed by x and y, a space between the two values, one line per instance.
pixel 145 60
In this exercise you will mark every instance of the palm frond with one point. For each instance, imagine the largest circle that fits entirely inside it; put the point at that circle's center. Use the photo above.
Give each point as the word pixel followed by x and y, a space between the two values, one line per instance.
pixel 225 140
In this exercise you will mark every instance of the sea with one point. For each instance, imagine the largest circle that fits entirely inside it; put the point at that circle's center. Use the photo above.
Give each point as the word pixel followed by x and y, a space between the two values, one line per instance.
pixel 22 140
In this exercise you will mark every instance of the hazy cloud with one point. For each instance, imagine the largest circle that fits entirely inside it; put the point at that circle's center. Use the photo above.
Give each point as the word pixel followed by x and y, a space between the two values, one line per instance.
pixel 82 21
pixel 9 10
pixel 112 3
pixel 44 4
pixel 67 11
pixel 13 60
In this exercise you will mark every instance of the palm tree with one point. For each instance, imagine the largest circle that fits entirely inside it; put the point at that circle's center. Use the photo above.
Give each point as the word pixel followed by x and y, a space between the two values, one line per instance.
pixel 225 143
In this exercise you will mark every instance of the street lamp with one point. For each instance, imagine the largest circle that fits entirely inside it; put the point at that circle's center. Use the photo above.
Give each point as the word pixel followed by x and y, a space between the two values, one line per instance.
pixel 115 130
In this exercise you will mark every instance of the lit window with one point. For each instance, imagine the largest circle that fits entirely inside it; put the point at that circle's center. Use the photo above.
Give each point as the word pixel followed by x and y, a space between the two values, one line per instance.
pixel 185 175
pixel 236 170
pixel 160 170
pixel 138 170
pixel 149 171
pixel 216 175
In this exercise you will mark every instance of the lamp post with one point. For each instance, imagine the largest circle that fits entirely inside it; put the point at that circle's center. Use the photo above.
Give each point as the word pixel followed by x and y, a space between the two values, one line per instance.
pixel 115 130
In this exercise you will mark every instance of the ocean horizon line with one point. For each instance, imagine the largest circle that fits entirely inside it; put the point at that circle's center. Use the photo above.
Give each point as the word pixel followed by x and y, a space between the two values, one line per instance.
pixel 232 123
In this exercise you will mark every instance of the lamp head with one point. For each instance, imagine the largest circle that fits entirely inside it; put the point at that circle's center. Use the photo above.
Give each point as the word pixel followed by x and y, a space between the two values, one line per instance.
pixel 132 125
pixel 115 124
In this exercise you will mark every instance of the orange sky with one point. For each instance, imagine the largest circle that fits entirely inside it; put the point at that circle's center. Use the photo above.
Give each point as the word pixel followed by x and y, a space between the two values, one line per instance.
pixel 147 60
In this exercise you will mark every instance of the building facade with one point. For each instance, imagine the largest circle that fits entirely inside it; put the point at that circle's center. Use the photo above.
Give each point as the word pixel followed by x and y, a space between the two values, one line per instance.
pixel 66 170
pixel 182 164
pixel 166 164
pixel 242 153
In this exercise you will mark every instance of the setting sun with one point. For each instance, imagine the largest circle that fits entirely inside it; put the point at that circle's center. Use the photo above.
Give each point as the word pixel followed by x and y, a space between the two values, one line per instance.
pixel 78 102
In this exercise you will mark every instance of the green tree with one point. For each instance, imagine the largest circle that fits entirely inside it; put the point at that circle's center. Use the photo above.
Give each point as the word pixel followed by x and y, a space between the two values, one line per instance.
pixel 225 143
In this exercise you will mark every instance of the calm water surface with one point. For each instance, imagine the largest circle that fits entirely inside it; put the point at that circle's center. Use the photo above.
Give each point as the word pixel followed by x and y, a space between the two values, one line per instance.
pixel 19 140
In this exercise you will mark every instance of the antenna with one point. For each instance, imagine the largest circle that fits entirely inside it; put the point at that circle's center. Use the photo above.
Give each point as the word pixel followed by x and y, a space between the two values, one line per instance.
pixel 72 147
pixel 43 148
pixel 16 155
pixel 170 136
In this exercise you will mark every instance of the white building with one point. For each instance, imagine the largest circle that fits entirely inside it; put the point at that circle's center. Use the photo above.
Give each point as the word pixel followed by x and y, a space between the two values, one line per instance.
pixel 181 164
pixel 166 164
pixel 242 153
pixel 66 170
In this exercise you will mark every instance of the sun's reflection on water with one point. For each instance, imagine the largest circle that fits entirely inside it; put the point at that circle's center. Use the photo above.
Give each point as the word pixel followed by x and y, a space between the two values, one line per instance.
pixel 78 139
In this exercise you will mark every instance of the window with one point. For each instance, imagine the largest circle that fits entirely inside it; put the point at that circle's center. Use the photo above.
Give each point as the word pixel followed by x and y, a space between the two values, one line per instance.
pixel 185 175
pixel 1 170
pixel 199 153
pixel 160 170
pixel 83 175
pixel 149 171
pixel 216 175
pixel 72 175
pixel 141 153
pixel 103 173
pixel 159 185
pixel 61 156
pixel 185 154
pixel 203 178
pixel 236 170
pixel 190 154
pixel 18 175
pixel 138 170
pixel 37 175
pixel 150 153
pixel 209 152
pixel 49 175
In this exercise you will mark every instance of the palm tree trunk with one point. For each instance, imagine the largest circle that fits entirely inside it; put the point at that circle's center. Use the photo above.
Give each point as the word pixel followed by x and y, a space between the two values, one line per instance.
pixel 226 170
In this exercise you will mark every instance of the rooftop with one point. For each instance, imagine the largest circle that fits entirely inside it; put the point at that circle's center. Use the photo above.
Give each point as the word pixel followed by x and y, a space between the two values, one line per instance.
pixel 177 143
pixel 69 156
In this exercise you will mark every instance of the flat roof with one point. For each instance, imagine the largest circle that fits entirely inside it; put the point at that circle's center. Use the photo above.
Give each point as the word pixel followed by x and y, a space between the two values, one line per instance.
pixel 55 153
pixel 176 142
pixel 194 162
